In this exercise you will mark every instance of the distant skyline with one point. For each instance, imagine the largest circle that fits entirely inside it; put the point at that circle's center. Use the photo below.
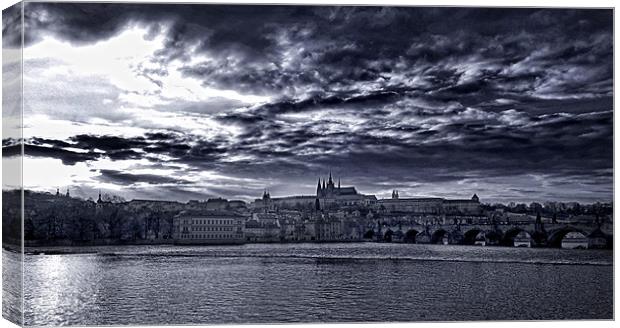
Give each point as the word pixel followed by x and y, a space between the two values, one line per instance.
pixel 188 102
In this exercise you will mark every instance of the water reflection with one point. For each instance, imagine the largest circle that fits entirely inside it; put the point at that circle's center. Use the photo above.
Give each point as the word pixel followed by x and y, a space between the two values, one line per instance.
pixel 310 283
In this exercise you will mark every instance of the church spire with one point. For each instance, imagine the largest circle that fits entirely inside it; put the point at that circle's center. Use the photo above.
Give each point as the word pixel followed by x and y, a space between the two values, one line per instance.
pixel 338 183
pixel 318 187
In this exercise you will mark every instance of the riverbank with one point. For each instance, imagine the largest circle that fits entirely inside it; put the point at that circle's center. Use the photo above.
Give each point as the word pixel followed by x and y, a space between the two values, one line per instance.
pixel 130 248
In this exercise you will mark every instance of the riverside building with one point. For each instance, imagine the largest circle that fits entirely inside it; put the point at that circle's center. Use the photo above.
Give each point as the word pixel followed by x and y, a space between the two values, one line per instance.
pixel 209 227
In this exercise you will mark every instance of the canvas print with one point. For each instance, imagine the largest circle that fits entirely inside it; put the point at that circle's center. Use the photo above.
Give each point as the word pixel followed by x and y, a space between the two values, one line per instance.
pixel 173 164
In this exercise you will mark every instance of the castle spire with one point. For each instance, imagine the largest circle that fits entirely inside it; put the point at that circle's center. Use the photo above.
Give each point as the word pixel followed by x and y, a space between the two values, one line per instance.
pixel 323 183
pixel 330 177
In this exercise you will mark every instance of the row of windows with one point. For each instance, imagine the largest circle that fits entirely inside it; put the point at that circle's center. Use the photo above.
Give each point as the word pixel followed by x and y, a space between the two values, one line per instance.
pixel 208 236
pixel 211 228
pixel 205 221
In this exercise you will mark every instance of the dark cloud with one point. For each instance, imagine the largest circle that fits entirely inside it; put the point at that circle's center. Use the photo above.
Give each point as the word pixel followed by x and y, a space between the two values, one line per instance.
pixel 110 143
pixel 125 179
pixel 291 49
pixel 66 156
pixel 383 95
pixel 12 26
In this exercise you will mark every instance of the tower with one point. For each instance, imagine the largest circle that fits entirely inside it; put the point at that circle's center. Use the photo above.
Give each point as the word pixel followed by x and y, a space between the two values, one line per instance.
pixel 57 192
pixel 330 184
pixel 475 198
pixel 266 195
pixel 318 188
pixel 338 183
pixel 267 205
pixel 538 225
pixel 100 204
pixel 68 195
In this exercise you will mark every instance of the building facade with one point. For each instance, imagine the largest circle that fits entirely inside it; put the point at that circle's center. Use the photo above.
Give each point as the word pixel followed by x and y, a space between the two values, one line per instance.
pixel 331 195
pixel 429 205
pixel 209 227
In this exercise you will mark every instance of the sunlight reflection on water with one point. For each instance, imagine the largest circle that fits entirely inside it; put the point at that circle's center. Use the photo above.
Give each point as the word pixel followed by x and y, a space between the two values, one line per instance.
pixel 315 282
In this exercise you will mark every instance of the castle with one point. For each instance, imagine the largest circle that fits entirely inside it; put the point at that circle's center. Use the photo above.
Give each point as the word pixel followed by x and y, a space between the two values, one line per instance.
pixel 329 194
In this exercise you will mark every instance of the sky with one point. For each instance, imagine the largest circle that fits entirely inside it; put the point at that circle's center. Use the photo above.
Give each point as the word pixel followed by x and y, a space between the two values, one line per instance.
pixel 181 102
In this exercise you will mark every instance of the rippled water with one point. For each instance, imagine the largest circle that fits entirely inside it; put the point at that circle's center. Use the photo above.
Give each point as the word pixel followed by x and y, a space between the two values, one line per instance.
pixel 315 283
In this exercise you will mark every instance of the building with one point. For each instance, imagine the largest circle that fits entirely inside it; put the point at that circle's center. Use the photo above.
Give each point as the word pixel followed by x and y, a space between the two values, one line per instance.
pixel 267 203
pixel 328 228
pixel 209 227
pixel 331 195
pixel 430 205
pixel 462 206
pixel 264 228
pixel 411 205
pixel 328 193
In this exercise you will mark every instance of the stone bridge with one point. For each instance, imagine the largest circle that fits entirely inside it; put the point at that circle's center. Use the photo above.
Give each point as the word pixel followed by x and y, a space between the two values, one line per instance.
pixel 550 235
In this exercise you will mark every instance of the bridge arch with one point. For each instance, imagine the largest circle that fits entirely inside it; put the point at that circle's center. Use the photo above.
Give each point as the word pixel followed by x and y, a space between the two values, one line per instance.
pixel 493 237
pixel 410 236
pixel 469 238
pixel 509 236
pixel 555 238
pixel 387 237
pixel 437 236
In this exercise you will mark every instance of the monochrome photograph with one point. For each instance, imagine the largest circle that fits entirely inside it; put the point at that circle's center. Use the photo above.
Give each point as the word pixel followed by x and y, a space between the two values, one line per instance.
pixel 208 164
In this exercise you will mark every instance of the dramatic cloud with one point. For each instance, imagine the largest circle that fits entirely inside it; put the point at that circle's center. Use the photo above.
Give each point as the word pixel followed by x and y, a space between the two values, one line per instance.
pixel 125 179
pixel 205 100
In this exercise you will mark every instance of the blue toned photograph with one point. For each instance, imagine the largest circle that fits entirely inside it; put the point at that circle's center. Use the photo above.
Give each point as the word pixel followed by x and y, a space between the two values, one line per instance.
pixel 207 164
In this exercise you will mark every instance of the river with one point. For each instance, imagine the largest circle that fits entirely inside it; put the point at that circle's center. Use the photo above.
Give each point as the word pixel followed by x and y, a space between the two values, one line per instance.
pixel 263 283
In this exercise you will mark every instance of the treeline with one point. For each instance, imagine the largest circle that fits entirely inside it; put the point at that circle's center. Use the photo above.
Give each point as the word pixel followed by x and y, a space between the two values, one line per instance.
pixel 54 220
pixel 558 209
